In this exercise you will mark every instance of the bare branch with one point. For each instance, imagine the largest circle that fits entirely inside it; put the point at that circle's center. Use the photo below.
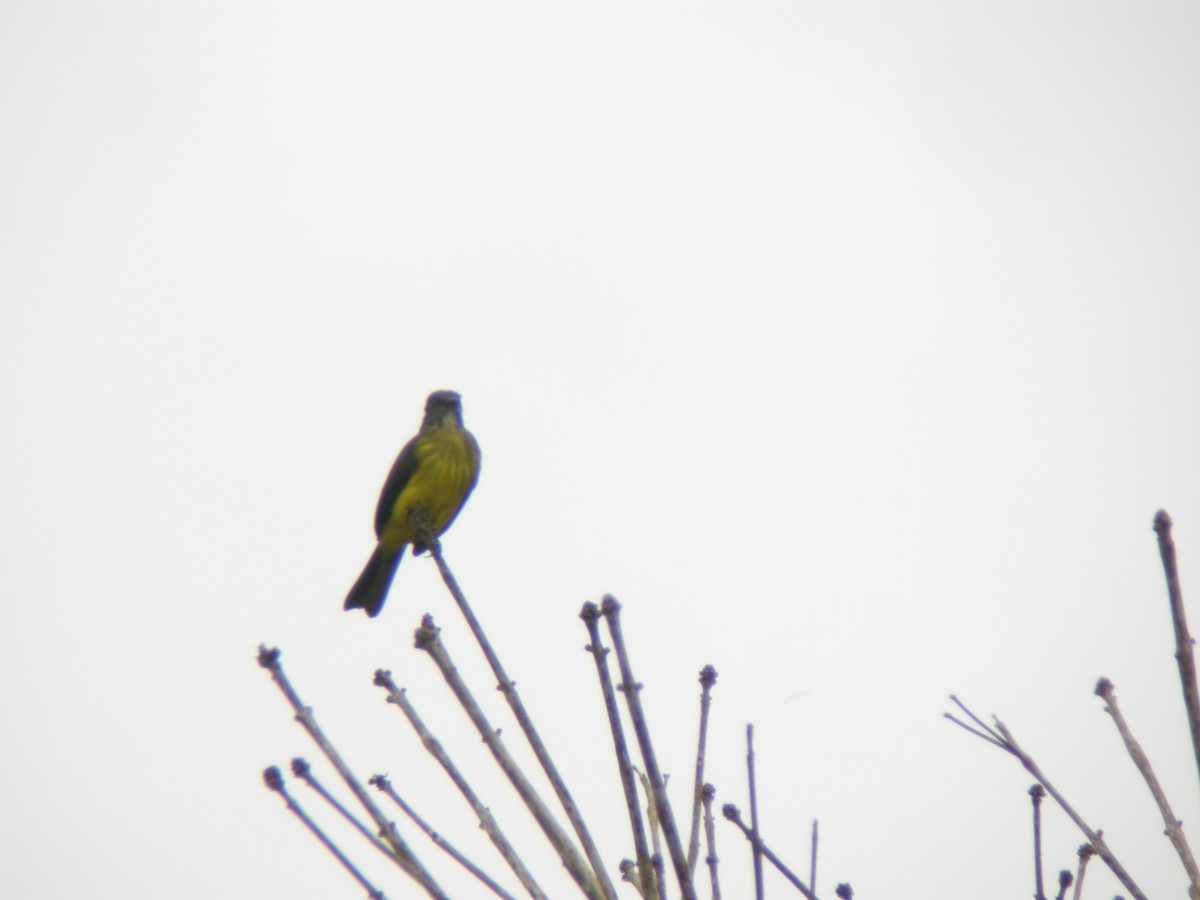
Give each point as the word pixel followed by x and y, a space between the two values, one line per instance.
pixel 1064 881
pixel 487 821
pixel 427 639
pixel 812 872
pixel 990 734
pixel 1095 837
pixel 1086 852
pixel 755 843
pixel 708 677
pixel 302 770
pixel 1036 793
pixel 1009 744
pixel 984 736
pixel 269 660
pixel 384 784
pixel 273 779
pixel 1184 644
pixel 710 839
pixel 612 615
pixel 509 689
pixel 652 818
pixel 733 815
pixel 644 868
pixel 1174 828
pixel 629 873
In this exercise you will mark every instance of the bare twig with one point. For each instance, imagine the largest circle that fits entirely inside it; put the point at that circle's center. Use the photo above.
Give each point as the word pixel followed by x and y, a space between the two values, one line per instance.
pixel 273 779
pixel 710 839
pixel 1064 881
pixel 1174 829
pixel 487 821
pixel 632 690
pixel 1086 852
pixel 965 727
pixel 1184 644
pixel 427 639
pixel 269 660
pixel 812 872
pixel 629 873
pixel 708 677
pixel 1008 743
pixel 651 817
pixel 733 815
pixel 755 843
pixel 1036 793
pixel 660 875
pixel 644 868
pixel 384 784
pixel 656 857
pixel 1096 837
pixel 983 732
pixel 302 770
pixel 509 689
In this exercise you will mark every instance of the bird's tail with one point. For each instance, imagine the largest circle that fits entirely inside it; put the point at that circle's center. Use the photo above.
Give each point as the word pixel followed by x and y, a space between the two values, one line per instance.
pixel 371 589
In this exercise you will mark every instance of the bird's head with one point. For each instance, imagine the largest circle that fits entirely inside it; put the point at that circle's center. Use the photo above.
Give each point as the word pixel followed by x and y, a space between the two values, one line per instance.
pixel 443 408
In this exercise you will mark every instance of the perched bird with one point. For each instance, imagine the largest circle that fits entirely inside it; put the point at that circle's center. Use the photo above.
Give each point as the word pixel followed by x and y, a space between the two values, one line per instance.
pixel 436 471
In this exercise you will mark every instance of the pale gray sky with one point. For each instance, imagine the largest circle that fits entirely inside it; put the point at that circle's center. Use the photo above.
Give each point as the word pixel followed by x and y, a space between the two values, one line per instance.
pixel 852 346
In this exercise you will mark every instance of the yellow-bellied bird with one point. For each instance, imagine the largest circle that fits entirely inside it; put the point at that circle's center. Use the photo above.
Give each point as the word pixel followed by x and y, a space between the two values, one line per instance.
pixel 436 471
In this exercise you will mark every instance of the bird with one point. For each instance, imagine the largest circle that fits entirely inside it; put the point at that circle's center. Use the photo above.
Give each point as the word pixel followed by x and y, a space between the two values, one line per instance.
pixel 436 471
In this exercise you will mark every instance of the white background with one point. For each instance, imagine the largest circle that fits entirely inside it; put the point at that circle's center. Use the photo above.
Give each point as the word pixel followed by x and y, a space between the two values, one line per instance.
pixel 852 347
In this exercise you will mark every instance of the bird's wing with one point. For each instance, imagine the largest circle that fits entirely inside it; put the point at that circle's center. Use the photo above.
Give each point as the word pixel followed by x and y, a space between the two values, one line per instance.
pixel 402 470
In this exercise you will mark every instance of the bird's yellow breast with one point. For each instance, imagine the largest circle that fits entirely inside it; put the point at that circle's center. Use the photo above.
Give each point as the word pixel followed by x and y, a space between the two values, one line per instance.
pixel 446 467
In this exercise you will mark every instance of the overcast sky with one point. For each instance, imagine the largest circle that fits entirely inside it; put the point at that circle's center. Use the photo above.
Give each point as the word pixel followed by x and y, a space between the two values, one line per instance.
pixel 852 346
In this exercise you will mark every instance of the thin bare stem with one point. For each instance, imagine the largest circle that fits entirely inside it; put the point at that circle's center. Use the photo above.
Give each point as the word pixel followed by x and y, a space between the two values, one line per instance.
pixel 756 845
pixel 732 813
pixel 979 734
pixel 1009 744
pixel 660 875
pixel 985 731
pixel 656 857
pixel 509 689
pixel 1096 837
pixel 651 816
pixel 273 779
pixel 487 821
pixel 269 660
pixel 1064 881
pixel 629 874
pixel 708 792
pixel 812 872
pixel 708 677
pixel 612 615
pixel 1174 828
pixel 1184 645
pixel 385 785
pixel 302 770
pixel 1086 852
pixel 644 867
pixel 428 639
pixel 1036 793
